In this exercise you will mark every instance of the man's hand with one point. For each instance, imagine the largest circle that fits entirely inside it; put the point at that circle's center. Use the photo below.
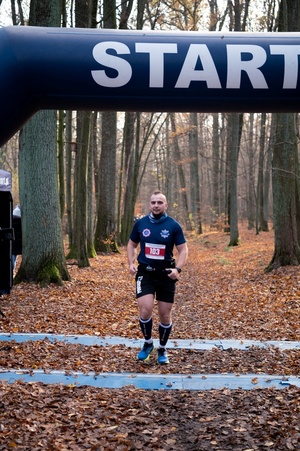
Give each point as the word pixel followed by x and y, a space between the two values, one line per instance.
pixel 173 273
pixel 132 269
pixel 131 256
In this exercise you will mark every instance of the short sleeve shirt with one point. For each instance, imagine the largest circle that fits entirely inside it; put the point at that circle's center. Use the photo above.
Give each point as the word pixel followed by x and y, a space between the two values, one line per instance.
pixel 157 239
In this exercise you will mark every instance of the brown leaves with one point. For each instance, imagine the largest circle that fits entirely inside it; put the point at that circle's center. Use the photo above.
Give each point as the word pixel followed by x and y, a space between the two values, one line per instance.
pixel 223 293
pixel 59 417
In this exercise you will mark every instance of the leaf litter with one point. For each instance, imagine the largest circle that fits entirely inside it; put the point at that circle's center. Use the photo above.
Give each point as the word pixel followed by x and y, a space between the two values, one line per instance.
pixel 223 294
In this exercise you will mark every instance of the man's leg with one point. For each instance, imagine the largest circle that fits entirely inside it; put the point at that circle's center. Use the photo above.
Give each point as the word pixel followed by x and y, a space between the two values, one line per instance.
pixel 146 304
pixel 164 329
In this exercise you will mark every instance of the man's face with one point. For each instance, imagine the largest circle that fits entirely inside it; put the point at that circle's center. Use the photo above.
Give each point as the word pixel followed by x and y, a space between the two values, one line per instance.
pixel 158 204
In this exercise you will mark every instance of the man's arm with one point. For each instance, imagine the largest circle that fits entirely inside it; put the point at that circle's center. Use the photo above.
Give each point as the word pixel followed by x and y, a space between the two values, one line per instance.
pixel 131 256
pixel 182 255
pixel 180 262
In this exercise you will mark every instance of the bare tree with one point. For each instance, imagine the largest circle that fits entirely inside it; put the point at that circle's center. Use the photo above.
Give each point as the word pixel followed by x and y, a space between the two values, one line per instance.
pixel 194 172
pixel 105 234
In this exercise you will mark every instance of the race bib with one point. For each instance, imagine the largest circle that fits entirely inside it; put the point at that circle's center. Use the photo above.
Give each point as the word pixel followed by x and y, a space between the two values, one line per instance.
pixel 155 251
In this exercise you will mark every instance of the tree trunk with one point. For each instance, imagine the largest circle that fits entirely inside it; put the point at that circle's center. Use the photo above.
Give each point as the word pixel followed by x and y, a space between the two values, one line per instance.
pixel 223 214
pixel 105 239
pixel 251 179
pixel 215 170
pixel 69 169
pixel 234 129
pixel 287 251
pixel 238 12
pixel 43 257
pixel 268 169
pixel 263 225
pixel 90 187
pixel 286 167
pixel 194 172
pixel 85 17
pixel 130 160
pixel 105 234
pixel 182 191
pixel 80 198
pixel 136 167
pixel 169 167
pixel 61 163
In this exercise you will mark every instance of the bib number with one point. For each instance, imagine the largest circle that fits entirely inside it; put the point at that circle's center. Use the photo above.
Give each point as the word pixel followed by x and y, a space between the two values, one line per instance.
pixel 155 251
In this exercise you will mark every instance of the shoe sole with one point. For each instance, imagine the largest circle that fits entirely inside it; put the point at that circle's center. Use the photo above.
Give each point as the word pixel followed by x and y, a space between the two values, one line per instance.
pixel 147 358
pixel 163 363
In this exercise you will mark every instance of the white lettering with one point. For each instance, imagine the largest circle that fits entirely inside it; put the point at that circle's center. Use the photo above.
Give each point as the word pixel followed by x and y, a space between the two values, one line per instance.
pixel 189 73
pixel 198 65
pixel 235 66
pixel 290 54
pixel 123 68
pixel 4 181
pixel 156 60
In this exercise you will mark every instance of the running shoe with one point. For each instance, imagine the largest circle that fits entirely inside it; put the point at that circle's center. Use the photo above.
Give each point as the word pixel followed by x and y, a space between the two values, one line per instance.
pixel 145 352
pixel 162 356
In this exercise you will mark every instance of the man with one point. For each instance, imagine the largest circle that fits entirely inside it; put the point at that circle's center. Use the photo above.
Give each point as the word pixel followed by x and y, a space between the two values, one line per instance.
pixel 17 242
pixel 156 273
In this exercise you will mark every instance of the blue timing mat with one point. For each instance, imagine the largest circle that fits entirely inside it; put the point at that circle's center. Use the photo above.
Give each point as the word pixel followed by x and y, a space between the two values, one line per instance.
pixel 91 340
pixel 151 381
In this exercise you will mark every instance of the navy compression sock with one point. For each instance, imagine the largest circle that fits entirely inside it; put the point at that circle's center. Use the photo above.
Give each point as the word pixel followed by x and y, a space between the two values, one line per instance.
pixel 164 333
pixel 146 328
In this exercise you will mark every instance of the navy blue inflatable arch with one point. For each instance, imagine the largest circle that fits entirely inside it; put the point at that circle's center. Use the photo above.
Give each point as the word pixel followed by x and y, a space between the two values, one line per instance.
pixel 56 68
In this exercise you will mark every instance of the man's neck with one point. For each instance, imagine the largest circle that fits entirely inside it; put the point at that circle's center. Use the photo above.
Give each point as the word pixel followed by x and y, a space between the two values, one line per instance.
pixel 158 216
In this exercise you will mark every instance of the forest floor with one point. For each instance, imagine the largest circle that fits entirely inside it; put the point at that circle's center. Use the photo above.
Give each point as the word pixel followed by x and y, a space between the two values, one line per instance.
pixel 223 293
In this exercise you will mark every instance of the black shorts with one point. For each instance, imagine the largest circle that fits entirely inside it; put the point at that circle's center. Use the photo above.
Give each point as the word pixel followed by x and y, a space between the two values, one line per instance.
pixel 157 283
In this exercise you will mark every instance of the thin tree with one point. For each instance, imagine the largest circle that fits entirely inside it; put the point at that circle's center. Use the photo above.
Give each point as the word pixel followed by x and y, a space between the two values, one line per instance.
pixel 182 189
pixel 262 224
pixel 80 191
pixel 251 178
pixel 194 172
pixel 132 148
pixel 85 17
pixel 147 130
pixel 233 145
pixel 238 19
pixel 105 233
pixel 268 169
pixel 216 163
pixel 70 147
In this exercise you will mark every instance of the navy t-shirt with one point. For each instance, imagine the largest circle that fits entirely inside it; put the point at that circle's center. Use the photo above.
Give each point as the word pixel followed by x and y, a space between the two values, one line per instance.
pixel 157 239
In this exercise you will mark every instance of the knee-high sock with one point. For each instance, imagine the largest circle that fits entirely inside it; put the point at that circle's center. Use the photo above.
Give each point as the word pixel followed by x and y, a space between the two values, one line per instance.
pixel 146 328
pixel 164 333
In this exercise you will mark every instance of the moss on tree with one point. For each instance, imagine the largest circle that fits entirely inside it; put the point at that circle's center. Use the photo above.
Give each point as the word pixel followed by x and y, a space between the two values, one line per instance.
pixel 92 252
pixel 72 255
pixel 47 273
